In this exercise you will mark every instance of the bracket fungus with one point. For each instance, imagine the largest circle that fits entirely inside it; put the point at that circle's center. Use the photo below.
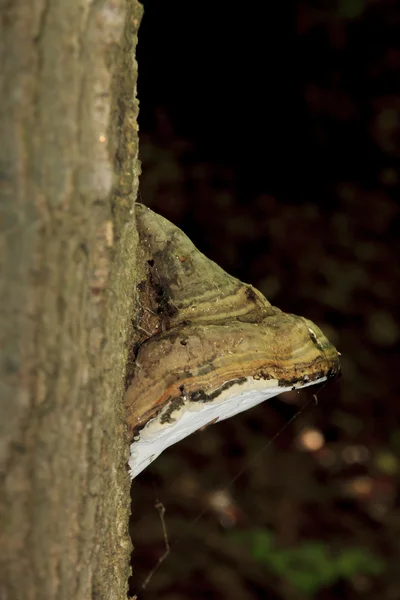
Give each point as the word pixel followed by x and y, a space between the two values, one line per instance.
pixel 209 345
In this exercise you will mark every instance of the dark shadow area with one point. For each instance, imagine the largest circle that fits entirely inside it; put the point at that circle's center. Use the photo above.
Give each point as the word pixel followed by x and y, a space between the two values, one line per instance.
pixel 270 133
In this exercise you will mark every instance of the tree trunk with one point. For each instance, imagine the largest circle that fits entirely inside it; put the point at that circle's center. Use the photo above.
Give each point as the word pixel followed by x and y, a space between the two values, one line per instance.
pixel 68 180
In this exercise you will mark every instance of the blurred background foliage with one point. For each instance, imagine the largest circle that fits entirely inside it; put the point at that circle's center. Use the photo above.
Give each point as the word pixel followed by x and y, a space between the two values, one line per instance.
pixel 270 133
pixel 312 565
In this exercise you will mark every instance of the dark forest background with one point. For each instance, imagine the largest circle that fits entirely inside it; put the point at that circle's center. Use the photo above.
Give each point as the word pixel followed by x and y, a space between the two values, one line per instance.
pixel 270 133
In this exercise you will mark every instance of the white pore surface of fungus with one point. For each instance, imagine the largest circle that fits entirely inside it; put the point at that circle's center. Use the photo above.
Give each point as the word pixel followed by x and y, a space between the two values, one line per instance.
pixel 156 436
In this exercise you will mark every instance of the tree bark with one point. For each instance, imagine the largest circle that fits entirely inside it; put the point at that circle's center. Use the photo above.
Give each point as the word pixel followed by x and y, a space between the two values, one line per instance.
pixel 68 181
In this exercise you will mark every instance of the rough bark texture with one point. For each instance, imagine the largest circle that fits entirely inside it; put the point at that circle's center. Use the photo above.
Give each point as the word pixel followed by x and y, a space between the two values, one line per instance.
pixel 68 179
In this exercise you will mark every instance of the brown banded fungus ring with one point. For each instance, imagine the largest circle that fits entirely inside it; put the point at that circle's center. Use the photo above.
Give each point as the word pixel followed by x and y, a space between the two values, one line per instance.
pixel 210 346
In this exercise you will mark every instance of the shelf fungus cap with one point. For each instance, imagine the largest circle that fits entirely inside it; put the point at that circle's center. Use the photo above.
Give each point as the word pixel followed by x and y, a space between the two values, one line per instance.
pixel 209 345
